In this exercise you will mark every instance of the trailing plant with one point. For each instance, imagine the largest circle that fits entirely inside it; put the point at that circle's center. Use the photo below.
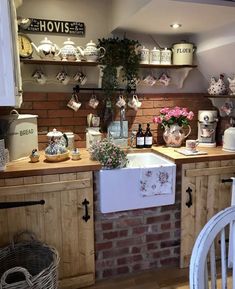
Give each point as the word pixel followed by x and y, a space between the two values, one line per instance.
pixel 119 53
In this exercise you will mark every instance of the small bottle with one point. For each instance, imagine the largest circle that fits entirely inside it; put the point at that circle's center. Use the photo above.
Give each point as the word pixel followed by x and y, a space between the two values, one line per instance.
pixel 148 137
pixel 140 138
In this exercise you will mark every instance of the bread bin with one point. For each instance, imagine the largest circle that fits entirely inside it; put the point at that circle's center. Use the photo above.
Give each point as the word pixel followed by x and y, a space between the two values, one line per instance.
pixel 21 134
pixel 229 139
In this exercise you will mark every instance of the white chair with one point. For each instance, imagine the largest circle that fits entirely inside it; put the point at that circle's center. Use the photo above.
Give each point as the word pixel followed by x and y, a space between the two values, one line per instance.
pixel 205 264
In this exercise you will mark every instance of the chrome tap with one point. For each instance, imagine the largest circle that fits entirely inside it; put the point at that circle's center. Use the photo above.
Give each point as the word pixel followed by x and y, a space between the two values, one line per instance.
pixel 122 118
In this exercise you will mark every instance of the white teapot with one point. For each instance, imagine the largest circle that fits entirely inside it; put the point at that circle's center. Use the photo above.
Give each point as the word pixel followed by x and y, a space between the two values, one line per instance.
pixel 91 52
pixel 69 51
pixel 46 49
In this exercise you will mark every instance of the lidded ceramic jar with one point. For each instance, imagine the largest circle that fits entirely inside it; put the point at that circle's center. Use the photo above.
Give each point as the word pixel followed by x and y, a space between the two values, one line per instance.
pixel 166 56
pixel 155 56
pixel 144 55
pixel 70 137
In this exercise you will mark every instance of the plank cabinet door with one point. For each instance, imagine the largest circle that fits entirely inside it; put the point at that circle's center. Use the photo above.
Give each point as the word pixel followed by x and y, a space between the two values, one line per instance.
pixel 65 221
pixel 203 195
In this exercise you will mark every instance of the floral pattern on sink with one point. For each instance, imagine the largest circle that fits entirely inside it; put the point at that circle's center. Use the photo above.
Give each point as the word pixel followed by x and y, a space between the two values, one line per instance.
pixel 156 181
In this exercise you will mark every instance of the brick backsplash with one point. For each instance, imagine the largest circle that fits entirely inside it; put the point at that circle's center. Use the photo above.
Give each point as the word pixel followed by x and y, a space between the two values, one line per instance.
pixel 52 111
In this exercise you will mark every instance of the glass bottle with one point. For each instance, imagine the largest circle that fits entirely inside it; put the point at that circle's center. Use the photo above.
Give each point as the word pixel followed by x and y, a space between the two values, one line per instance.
pixel 140 138
pixel 148 137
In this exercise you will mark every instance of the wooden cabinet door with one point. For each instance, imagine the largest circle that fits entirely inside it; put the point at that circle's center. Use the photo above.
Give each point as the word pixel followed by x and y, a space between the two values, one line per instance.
pixel 65 221
pixel 202 185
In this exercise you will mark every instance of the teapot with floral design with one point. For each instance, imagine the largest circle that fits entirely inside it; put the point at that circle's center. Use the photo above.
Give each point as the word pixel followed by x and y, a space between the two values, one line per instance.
pixel 91 53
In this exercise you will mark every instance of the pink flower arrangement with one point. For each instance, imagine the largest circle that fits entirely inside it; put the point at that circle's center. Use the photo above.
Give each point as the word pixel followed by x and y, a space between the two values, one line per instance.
pixel 176 115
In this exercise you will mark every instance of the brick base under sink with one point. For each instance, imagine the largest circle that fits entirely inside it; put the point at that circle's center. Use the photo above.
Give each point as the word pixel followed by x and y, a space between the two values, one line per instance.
pixel 132 241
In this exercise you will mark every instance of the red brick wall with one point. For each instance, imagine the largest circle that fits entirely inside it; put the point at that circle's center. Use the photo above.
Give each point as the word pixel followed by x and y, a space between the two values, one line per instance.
pixel 53 112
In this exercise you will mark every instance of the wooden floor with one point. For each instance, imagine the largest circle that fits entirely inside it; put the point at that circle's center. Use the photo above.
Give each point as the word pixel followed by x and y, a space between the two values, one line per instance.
pixel 161 278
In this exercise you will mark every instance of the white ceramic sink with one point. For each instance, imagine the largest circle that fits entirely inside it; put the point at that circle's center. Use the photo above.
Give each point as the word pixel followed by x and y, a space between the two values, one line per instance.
pixel 147 181
pixel 145 160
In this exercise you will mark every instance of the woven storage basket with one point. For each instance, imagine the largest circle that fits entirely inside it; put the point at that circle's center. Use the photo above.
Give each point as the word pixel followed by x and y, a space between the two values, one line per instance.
pixel 29 264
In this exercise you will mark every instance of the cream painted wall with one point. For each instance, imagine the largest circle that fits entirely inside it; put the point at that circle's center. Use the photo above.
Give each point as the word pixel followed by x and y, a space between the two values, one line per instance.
pixel 215 52
pixel 92 13
pixel 96 16
pixel 122 9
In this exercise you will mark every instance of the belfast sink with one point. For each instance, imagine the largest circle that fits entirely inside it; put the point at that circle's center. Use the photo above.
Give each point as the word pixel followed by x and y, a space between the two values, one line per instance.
pixel 145 160
pixel 147 181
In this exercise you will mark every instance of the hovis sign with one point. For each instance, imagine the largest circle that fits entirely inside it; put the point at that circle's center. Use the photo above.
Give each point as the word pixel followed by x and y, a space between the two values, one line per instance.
pixel 55 26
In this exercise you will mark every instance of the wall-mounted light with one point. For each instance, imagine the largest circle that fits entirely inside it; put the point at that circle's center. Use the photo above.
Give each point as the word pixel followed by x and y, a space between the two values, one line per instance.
pixel 175 25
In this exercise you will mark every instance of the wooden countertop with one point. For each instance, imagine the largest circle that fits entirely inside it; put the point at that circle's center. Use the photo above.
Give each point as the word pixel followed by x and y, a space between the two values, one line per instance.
pixel 214 154
pixel 24 167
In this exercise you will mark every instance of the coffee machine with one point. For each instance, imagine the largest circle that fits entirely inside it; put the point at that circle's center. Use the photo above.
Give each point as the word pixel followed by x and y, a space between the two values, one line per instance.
pixel 207 123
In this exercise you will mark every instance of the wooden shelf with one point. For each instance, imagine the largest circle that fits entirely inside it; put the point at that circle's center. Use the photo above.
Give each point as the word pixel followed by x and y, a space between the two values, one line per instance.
pixel 220 96
pixel 166 66
pixel 85 63
pixel 58 62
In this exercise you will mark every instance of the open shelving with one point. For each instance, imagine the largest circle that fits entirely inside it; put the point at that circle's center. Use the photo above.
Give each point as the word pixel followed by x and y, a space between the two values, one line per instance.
pixel 86 63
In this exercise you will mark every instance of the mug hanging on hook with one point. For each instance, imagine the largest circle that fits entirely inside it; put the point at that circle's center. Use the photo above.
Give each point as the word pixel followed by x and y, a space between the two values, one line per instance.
pixel 63 77
pixel 93 102
pixel 74 103
pixel 134 102
pixel 150 79
pixel 121 101
pixel 39 76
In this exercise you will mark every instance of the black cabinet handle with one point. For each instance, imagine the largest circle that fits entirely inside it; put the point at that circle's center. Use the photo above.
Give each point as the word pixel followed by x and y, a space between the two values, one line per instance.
pixel 189 202
pixel 226 180
pixel 86 217
pixel 8 205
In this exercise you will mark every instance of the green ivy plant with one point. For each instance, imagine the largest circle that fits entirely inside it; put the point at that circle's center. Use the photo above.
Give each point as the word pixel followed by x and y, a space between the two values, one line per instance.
pixel 119 52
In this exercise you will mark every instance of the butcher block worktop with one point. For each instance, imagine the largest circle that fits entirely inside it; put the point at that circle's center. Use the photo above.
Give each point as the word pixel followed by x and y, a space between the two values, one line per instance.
pixel 25 168
pixel 213 154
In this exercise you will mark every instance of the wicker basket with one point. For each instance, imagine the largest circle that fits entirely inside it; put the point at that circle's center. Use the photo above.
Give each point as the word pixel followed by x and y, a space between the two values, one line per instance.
pixel 29 264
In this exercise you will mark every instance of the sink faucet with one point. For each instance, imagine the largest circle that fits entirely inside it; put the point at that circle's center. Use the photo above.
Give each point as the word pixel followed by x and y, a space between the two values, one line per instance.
pixel 122 118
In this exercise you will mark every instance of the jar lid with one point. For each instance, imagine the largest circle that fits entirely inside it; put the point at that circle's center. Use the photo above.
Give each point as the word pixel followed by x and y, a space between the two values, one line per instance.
pixel 69 42
pixel 46 41
pixel 91 43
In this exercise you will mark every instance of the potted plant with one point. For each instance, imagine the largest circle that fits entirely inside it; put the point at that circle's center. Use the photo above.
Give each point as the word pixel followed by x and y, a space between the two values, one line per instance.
pixel 120 53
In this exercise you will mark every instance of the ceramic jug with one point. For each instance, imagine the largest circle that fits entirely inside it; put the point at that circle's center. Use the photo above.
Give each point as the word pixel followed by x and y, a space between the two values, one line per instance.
pixel 91 53
pixel 174 135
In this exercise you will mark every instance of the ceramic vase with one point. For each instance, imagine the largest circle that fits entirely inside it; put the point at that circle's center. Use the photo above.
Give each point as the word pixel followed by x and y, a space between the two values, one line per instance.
pixel 174 135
